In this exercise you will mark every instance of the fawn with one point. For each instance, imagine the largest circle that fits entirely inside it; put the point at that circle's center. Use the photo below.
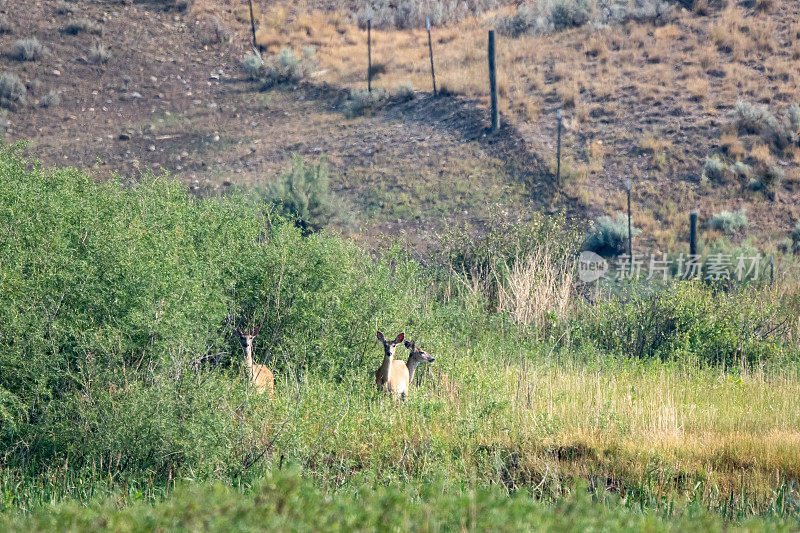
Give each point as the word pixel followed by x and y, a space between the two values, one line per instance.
pixel 260 376
pixel 395 376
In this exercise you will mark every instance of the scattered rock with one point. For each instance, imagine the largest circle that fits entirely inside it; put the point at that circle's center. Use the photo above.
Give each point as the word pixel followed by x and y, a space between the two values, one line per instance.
pixel 124 137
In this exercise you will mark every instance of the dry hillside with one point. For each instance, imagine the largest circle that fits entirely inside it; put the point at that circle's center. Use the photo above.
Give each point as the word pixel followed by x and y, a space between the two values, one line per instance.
pixel 158 84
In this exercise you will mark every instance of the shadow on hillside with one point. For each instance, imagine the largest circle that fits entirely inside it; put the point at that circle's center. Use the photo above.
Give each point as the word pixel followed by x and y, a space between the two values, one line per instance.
pixel 466 121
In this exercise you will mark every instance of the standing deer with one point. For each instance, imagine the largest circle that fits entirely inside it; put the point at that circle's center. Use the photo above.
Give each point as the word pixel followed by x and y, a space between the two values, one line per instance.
pixel 260 376
pixel 395 376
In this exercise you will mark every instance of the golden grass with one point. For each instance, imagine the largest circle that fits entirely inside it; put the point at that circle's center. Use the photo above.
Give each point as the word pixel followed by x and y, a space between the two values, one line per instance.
pixel 671 427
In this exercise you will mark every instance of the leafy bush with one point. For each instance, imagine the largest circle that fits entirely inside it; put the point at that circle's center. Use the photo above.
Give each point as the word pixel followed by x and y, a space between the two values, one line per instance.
pixel 304 194
pixel 113 297
pixel 99 54
pixel 286 67
pixel 713 169
pixel 768 180
pixel 404 14
pixel 544 16
pixel 796 233
pixel 741 170
pixel 51 99
pixel 729 221
pixel 771 178
pixel 361 101
pixel 253 66
pixel 757 119
pixel 405 92
pixel 525 20
pixel 609 236
pixel 690 320
pixel 12 90
pixel 82 25
pixel 29 49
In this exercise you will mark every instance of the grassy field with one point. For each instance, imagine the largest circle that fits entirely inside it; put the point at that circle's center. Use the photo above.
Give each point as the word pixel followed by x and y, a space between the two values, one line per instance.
pixel 124 404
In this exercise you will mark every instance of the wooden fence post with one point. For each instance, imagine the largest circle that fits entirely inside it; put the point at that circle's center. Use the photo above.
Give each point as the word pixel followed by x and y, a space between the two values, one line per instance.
pixel 493 83
pixel 693 233
pixel 630 234
pixel 560 115
pixel 430 49
pixel 253 24
pixel 369 54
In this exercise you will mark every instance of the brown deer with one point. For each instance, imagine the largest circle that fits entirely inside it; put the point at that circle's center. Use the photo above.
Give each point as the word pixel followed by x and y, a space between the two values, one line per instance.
pixel 260 376
pixel 395 376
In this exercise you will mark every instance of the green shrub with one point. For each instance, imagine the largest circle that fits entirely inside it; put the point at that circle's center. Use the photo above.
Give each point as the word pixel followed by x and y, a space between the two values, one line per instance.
pixel 690 320
pixel 12 91
pixel 771 178
pixel 29 49
pixel 51 99
pixel 741 170
pixel 253 66
pixel 729 221
pixel 362 102
pixel 5 25
pixel 403 14
pixel 796 233
pixel 113 297
pixel 405 92
pixel 82 25
pixel 525 20
pixel 713 169
pixel 609 236
pixel 304 194
pixel 99 54
pixel 545 16
pixel 287 67
pixel 757 119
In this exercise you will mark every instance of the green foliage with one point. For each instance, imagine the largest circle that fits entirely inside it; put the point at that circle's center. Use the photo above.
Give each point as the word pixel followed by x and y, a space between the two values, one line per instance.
pixel 107 289
pixel 758 119
pixel 690 320
pixel 405 14
pixel 362 102
pixel 741 170
pixel 287 501
pixel 713 169
pixel 796 233
pixel 29 49
pixel 287 67
pixel 82 25
pixel 99 54
pixel 303 194
pixel 253 66
pixel 51 99
pixel 12 91
pixel 405 92
pixel 546 16
pixel 505 239
pixel 729 221
pixel 609 236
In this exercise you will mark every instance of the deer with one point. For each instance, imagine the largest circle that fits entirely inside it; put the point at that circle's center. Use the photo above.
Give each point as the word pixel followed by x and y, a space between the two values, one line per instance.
pixel 395 376
pixel 259 375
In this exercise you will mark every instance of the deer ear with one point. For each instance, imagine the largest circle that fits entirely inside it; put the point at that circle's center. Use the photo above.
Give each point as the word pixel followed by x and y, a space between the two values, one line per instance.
pixel 381 337
pixel 407 344
pixel 239 332
pixel 400 338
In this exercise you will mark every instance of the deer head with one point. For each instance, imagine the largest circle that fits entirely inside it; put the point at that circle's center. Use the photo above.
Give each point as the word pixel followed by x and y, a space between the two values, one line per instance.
pixel 389 346
pixel 418 355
